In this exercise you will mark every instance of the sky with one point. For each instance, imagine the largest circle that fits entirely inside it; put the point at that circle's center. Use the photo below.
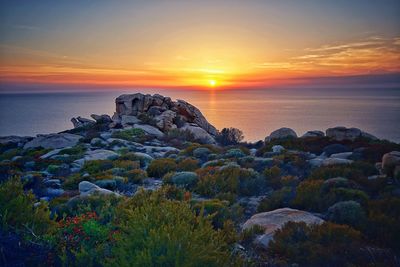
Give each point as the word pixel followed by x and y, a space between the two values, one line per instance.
pixel 199 44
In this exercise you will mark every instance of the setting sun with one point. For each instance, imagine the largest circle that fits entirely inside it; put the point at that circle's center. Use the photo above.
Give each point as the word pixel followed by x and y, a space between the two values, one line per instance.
pixel 212 83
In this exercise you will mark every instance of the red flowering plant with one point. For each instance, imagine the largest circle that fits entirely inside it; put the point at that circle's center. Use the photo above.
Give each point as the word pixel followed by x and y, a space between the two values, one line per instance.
pixel 82 238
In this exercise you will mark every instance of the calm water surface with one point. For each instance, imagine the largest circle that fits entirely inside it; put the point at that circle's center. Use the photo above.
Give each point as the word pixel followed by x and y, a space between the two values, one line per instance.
pixel 255 112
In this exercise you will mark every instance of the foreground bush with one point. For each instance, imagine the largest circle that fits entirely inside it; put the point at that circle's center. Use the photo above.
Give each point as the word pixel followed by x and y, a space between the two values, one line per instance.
pixel 83 240
pixel 327 244
pixel 159 232
pixel 19 214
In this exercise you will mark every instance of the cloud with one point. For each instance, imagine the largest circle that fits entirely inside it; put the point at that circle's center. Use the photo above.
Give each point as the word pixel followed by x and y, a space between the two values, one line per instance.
pixel 373 54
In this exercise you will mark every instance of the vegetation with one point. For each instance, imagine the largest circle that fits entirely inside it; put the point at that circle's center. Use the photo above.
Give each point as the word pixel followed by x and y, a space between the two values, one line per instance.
pixel 191 211
pixel 230 136
pixel 159 167
pixel 161 232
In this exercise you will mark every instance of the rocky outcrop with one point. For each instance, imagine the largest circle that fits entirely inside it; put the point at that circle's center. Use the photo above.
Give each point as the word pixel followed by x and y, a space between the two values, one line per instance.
pixel 273 220
pixel 391 163
pixel 314 133
pixel 54 141
pixel 82 122
pixel 341 133
pixel 18 140
pixel 166 113
pixel 281 133
pixel 104 118
pixel 199 133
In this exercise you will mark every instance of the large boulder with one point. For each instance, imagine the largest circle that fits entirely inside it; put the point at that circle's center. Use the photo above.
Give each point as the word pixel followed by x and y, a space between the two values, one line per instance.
pixel 273 220
pixel 12 139
pixel 53 141
pixel 165 111
pixel 281 133
pixel 81 122
pixel 165 121
pixel 104 118
pixel 199 134
pixel 314 133
pixel 150 130
pixel 100 154
pixel 87 188
pixel 391 163
pixel 129 120
pixel 335 149
pixel 341 133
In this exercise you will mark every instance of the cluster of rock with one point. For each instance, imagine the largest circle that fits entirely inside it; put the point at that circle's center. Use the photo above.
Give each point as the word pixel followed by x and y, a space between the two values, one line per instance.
pixel 137 110
pixel 338 133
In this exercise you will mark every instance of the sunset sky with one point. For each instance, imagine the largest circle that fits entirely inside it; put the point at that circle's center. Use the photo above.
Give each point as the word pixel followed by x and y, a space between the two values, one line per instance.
pixel 199 44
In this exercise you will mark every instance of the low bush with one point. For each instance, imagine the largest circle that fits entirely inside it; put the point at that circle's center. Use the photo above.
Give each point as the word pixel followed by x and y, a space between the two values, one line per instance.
pixel 159 167
pixel 136 175
pixel 308 195
pixel 83 241
pixel 156 231
pixel 96 166
pixel 272 176
pixel 383 222
pixel 219 211
pixel 229 179
pixel 20 214
pixel 347 212
pixel 327 244
pixel 229 136
pixel 188 164
pixel 277 199
pixel 129 134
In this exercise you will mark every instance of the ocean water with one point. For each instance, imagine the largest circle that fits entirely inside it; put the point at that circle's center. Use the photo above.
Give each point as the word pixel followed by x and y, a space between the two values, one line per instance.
pixel 255 112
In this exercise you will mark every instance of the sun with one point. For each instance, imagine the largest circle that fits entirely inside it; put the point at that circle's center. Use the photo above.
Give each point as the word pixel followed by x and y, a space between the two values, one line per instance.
pixel 212 83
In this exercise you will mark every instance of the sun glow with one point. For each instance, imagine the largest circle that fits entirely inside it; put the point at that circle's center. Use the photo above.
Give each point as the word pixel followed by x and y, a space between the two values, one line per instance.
pixel 212 83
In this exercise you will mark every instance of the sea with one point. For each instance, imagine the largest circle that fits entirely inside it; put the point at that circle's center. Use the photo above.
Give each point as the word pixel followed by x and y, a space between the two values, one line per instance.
pixel 256 112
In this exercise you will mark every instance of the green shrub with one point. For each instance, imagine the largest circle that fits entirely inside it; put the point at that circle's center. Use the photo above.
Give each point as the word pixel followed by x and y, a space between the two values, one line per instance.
pixel 159 232
pixel 126 164
pixel 219 211
pixel 136 176
pixel 103 205
pixel 356 171
pixel 96 166
pixel 272 176
pixel 83 240
pixel 327 244
pixel 129 134
pixel 383 222
pixel 76 150
pixel 308 195
pixel 234 153
pixel 247 236
pixel 19 214
pixel 159 167
pixel 344 194
pixel 183 179
pixel 188 164
pixel 347 212
pixel 229 179
pixel 278 199
pixel 229 136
